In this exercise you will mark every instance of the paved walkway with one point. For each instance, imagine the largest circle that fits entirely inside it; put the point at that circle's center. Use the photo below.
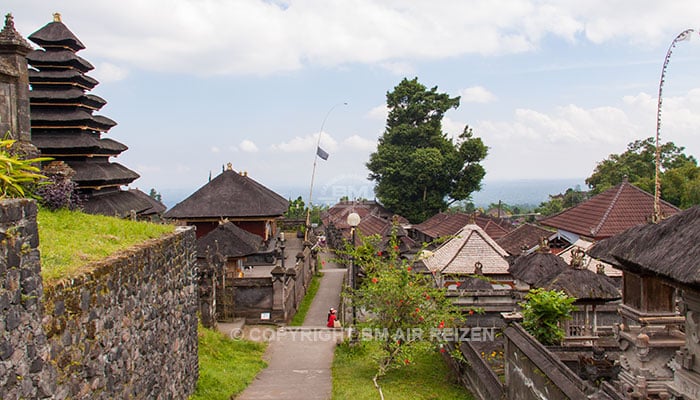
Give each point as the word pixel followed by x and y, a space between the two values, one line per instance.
pixel 300 358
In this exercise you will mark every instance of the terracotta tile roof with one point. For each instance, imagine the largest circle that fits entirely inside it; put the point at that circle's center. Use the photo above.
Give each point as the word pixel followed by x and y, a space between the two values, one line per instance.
pixel 495 227
pixel 338 214
pixel 609 213
pixel 526 235
pixel 669 248
pixel 469 246
pixel 443 224
pixel 231 195
pixel 448 224
pixel 589 262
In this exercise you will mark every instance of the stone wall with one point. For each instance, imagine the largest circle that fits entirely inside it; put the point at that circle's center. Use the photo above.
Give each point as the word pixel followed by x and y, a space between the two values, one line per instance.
pixel 532 372
pixel 127 329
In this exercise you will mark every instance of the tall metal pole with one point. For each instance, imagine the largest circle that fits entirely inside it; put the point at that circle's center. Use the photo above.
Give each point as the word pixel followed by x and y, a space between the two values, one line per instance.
pixel 685 35
pixel 313 171
pixel 354 278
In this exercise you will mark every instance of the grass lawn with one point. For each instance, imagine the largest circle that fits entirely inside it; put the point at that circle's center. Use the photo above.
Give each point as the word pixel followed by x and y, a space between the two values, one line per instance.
pixel 299 317
pixel 428 377
pixel 69 240
pixel 226 366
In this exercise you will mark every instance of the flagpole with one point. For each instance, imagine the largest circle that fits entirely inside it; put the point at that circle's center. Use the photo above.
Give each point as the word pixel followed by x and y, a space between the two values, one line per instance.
pixel 313 171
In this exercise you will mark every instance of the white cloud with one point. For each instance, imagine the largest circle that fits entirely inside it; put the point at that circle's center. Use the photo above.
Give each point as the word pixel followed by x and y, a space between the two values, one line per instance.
pixel 476 94
pixel 248 146
pixel 108 72
pixel 215 149
pixel 379 112
pixel 253 37
pixel 359 143
pixel 307 144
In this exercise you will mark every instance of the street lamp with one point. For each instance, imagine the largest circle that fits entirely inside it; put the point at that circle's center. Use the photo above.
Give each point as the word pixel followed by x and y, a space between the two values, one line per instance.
pixel 353 220
pixel 685 35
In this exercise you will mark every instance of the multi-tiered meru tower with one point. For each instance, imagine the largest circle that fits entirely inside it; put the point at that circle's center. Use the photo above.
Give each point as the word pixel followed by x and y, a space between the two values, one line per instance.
pixel 64 125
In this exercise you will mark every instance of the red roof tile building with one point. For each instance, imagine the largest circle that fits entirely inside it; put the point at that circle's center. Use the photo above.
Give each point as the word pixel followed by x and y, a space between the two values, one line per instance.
pixel 608 213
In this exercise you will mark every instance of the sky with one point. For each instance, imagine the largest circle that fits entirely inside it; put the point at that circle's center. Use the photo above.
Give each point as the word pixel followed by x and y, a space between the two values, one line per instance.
pixel 551 87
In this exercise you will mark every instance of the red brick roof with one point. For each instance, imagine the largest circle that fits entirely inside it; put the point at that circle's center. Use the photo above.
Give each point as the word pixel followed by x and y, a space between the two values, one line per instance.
pixel 609 213
pixel 526 235
pixel 443 224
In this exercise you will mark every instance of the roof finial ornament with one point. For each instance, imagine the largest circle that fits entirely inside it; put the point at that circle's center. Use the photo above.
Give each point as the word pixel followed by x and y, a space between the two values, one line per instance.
pixel 229 167
pixel 9 21
pixel 56 17
pixel 577 255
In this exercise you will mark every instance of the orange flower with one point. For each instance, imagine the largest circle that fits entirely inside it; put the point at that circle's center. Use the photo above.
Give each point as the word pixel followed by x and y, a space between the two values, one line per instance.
pixel 375 280
pixel 442 324
pixel 471 312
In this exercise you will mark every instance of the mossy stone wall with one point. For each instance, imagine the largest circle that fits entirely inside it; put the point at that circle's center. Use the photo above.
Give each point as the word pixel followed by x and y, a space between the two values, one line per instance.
pixel 127 329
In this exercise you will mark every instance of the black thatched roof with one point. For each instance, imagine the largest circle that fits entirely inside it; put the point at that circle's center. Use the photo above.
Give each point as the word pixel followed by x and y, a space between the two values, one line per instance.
pixel 96 173
pixel 537 267
pixel 584 285
pixel 51 59
pixel 56 34
pixel 76 119
pixel 156 206
pixel 229 240
pixel 670 248
pixel 115 202
pixel 230 195
pixel 66 97
pixel 79 143
pixel 61 78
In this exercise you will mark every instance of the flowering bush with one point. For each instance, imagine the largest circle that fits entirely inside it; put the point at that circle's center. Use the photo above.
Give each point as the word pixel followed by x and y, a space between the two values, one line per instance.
pixel 406 306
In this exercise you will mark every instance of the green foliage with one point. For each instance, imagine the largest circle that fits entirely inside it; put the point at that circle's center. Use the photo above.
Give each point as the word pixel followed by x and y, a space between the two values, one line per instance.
pixel 427 377
pixel 680 177
pixel 543 311
pixel 155 195
pixel 18 177
pixel 226 366
pixel 299 317
pixel 296 210
pixel 416 167
pixel 563 201
pixel 70 239
pixel 395 300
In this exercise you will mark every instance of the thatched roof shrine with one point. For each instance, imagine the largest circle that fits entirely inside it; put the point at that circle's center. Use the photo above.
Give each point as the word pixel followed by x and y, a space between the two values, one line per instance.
pixel 583 284
pixel 64 127
pixel 230 195
pixel 460 255
pixel 537 267
pixel 230 241
pixel 670 248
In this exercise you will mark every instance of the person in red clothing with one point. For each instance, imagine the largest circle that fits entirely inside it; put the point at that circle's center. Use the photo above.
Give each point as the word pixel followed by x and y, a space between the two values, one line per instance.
pixel 332 317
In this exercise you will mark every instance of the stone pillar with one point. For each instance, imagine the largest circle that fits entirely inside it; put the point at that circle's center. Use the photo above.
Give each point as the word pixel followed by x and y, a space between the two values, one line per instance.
pixel 278 293
pixel 14 83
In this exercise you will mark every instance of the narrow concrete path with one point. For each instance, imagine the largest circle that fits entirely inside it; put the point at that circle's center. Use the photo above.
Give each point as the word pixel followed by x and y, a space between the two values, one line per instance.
pixel 300 358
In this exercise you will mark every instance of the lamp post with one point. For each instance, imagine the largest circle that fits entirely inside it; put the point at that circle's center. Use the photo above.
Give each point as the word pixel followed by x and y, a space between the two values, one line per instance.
pixel 685 35
pixel 281 240
pixel 353 220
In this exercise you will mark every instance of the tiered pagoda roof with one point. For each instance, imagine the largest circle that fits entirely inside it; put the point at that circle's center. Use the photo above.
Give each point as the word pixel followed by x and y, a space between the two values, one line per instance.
pixel 65 127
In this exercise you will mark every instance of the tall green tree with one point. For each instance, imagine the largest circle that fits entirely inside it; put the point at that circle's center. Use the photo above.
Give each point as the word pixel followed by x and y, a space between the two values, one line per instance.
pixel 638 164
pixel 417 169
